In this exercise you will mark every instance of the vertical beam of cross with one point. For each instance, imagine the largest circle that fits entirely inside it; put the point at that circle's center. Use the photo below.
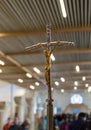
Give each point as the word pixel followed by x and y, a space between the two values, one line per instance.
pixel 47 77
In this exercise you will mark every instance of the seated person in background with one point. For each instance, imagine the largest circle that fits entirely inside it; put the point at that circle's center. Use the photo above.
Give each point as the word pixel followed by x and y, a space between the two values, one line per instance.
pixel 8 124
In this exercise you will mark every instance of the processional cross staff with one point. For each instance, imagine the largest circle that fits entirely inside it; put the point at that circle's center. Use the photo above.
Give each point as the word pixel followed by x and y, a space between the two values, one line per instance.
pixel 48 48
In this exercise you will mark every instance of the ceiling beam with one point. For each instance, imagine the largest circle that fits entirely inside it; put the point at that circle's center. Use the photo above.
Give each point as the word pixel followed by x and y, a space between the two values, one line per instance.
pixel 53 63
pixel 68 51
pixel 78 77
pixel 71 71
pixel 42 31
pixel 12 74
pixel 13 79
pixel 73 63
pixel 60 71
pixel 8 67
pixel 57 72
pixel 10 59
pixel 52 80
pixel 71 89
pixel 74 77
pixel 61 63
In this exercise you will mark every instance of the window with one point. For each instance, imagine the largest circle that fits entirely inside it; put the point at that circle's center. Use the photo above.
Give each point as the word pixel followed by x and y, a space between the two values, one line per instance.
pixel 76 99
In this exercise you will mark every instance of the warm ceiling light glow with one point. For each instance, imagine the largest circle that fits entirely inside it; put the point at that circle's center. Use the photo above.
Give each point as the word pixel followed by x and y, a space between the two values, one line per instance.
pixel 0 71
pixel 62 79
pixel 63 8
pixel 37 83
pixel 56 83
pixel 28 75
pixel 1 62
pixel 75 88
pixel 89 89
pixel 52 57
pixel 62 90
pixel 36 70
pixel 51 89
pixel 77 68
pixel 76 83
pixel 32 87
pixel 83 78
pixel 86 85
pixel 20 80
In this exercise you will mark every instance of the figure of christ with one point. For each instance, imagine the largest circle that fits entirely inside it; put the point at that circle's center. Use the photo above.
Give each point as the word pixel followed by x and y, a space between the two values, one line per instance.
pixel 47 66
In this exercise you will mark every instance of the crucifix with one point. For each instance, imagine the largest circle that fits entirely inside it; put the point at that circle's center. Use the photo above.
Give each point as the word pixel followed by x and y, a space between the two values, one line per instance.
pixel 48 48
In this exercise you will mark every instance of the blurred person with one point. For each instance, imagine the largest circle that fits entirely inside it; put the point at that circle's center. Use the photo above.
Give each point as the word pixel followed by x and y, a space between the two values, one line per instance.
pixel 72 118
pixel 64 124
pixel 8 124
pixel 88 122
pixel 43 123
pixel 80 123
pixel 25 125
pixel 57 121
pixel 15 125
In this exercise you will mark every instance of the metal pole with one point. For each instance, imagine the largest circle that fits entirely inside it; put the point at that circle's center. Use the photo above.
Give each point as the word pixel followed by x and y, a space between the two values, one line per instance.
pixel 47 76
pixel 49 107
pixel 11 98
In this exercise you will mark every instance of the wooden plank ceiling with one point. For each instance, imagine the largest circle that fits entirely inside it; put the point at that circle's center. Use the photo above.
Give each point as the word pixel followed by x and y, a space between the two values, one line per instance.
pixel 23 23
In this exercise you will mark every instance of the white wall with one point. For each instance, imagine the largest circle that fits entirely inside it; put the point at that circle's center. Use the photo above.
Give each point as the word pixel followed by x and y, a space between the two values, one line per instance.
pixel 5 91
pixel 63 99
pixel 60 99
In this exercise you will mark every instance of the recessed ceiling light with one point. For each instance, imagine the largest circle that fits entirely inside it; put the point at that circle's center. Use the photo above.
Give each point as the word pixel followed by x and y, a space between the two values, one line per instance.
pixel 20 80
pixel 56 83
pixel 37 83
pixel 62 90
pixel 1 71
pixel 76 83
pixel 36 70
pixel 2 63
pixel 32 87
pixel 52 57
pixel 86 85
pixel 75 88
pixel 28 75
pixel 89 89
pixel 63 8
pixel 77 68
pixel 51 89
pixel 62 79
pixel 83 78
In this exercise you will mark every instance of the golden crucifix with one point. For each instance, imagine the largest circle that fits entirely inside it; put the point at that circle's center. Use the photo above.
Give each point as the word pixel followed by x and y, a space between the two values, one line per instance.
pixel 48 48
